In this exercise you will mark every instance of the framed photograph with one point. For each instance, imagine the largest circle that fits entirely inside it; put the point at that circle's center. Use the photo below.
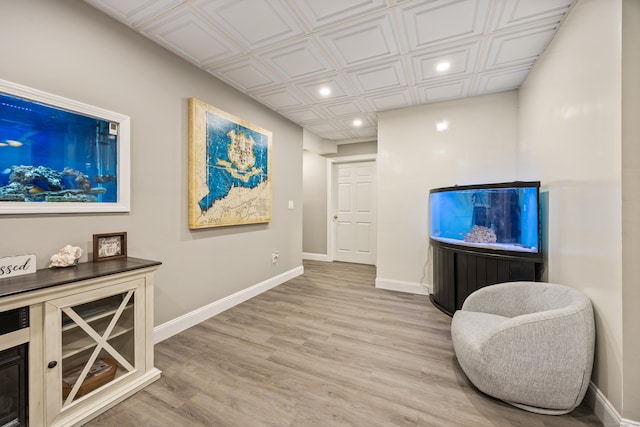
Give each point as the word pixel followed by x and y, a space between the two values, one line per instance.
pixel 229 169
pixel 109 246
pixel 60 156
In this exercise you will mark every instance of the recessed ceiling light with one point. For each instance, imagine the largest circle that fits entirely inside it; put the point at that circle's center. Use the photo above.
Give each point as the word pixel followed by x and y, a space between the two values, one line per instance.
pixel 325 91
pixel 443 66
pixel 357 123
pixel 442 125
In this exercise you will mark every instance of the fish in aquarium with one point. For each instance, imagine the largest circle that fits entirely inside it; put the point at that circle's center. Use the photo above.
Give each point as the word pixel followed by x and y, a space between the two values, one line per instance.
pixel 48 154
pixel 4 177
pixel 101 179
pixel 11 143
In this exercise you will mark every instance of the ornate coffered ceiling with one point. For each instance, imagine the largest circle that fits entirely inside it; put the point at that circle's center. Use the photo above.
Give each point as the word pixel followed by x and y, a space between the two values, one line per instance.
pixel 374 55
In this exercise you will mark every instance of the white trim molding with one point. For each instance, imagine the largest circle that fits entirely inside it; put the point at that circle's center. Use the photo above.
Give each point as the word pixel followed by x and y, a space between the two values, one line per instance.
pixel 400 286
pixel 604 410
pixel 181 323
pixel 315 257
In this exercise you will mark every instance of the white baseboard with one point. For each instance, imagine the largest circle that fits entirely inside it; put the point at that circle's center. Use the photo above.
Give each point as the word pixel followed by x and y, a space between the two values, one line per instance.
pixel 604 410
pixel 179 324
pixel 400 286
pixel 315 257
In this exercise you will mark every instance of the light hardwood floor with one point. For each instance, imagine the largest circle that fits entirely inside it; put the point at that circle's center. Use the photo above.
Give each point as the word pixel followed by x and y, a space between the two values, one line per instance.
pixel 324 349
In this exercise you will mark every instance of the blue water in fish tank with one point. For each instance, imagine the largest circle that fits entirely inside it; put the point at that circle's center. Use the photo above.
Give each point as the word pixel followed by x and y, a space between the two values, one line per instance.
pixel 49 154
pixel 494 218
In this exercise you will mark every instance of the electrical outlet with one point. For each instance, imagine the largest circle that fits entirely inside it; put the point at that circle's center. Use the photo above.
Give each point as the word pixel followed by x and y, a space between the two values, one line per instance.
pixel 274 257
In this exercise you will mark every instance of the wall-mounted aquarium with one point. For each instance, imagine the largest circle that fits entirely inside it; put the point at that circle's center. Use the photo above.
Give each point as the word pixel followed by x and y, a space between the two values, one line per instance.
pixel 59 155
pixel 500 217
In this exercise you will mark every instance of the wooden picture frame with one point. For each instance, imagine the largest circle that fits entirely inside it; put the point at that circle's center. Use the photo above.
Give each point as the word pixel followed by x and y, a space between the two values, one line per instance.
pixel 109 246
pixel 229 169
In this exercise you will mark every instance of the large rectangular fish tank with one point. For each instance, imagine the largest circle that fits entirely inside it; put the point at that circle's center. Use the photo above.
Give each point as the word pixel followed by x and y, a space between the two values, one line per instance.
pixel 48 154
pixel 501 217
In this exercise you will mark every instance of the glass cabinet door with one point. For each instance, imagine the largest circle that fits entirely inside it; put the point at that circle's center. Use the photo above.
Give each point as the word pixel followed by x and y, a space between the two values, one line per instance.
pixel 97 342
pixel 94 341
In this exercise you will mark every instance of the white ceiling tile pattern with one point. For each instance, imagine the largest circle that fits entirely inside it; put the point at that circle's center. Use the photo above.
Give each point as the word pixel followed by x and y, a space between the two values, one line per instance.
pixel 502 80
pixel 519 47
pixel 306 115
pixel 391 100
pixel 375 78
pixel 339 88
pixel 349 108
pixel 462 59
pixel 192 38
pixel 368 41
pixel 298 61
pixel 318 14
pixel 134 12
pixel 244 20
pixel 246 74
pixel 438 22
pixel 374 55
pixel 321 128
pixel 520 12
pixel 281 98
pixel 444 91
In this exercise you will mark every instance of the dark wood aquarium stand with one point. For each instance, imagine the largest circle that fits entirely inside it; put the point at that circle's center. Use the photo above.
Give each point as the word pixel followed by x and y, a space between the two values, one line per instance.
pixel 459 270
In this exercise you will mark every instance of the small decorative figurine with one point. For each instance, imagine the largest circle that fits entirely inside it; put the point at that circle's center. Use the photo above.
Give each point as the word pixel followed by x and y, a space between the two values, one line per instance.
pixel 66 257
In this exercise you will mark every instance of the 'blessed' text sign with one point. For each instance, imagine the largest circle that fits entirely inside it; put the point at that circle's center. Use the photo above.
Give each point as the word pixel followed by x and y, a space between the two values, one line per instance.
pixel 18 265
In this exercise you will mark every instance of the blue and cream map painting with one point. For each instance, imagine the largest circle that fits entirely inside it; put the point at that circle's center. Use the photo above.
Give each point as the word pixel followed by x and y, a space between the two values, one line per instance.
pixel 230 169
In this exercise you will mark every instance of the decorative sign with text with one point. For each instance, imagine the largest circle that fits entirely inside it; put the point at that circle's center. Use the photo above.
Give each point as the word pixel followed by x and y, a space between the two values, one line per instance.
pixel 18 265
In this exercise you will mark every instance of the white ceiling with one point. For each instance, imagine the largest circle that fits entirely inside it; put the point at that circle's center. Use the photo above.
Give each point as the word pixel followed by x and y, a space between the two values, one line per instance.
pixel 375 55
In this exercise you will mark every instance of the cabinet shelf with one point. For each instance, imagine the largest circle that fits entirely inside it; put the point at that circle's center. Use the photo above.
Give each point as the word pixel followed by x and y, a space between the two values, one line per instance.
pixel 83 344
pixel 97 309
pixel 108 313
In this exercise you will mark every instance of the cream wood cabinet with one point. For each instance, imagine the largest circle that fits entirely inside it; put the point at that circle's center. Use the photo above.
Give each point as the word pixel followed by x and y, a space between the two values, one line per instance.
pixel 90 340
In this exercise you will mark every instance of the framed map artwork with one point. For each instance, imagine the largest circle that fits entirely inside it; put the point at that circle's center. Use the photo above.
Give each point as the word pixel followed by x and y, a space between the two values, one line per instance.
pixel 229 169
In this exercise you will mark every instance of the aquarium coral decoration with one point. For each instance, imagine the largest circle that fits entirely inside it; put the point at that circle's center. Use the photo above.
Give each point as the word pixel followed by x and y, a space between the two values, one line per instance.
pixel 480 234
pixel 82 181
pixel 67 256
pixel 41 177
pixel 43 184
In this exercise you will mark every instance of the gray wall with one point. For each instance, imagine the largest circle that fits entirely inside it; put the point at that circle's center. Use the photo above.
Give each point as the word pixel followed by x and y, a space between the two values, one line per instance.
pixel 356 149
pixel 570 138
pixel 314 233
pixel 414 157
pixel 630 207
pixel 69 49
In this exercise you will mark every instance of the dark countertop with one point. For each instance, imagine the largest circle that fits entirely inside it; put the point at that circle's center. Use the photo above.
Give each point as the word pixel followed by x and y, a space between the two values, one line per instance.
pixel 49 277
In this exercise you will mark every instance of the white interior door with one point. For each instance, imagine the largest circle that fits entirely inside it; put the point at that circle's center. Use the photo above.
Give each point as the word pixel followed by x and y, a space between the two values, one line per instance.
pixel 355 217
